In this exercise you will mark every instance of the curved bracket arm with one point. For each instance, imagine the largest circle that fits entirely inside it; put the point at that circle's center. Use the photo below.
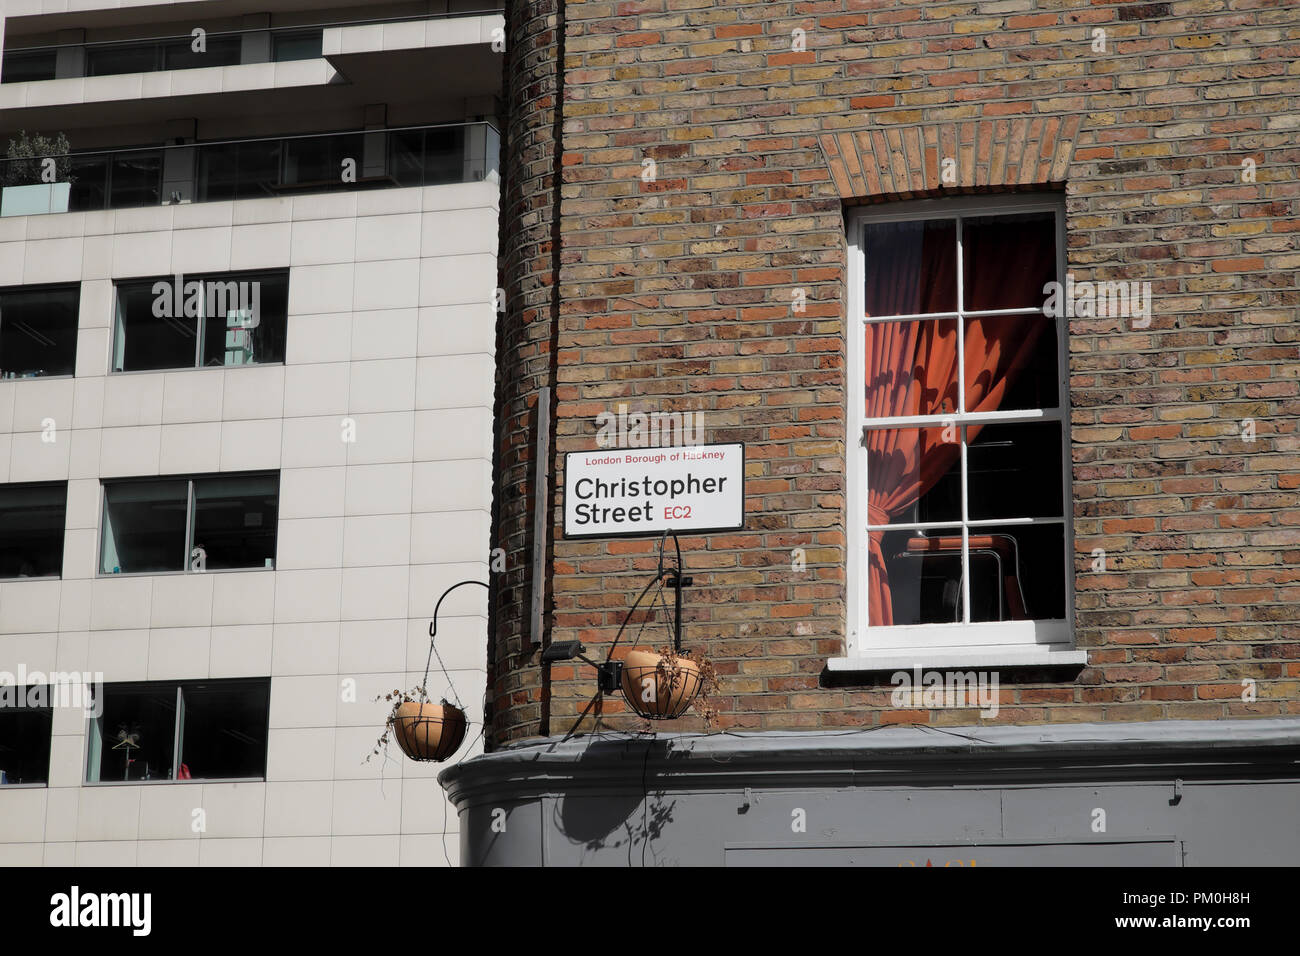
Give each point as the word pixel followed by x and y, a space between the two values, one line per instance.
pixel 433 625
pixel 433 632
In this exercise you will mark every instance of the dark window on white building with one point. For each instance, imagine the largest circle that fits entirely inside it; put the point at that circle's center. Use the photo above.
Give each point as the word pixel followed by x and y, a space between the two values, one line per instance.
pixel 38 330
pixel 200 321
pixel 31 529
pixel 207 523
pixel 180 730
pixel 25 727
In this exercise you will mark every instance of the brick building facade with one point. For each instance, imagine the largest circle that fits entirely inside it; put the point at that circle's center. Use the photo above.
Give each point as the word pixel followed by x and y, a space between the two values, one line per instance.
pixel 682 178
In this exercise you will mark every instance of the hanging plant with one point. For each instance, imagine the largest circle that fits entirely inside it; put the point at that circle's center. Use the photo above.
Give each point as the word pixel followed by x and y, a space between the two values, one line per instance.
pixel 423 730
pixel 663 684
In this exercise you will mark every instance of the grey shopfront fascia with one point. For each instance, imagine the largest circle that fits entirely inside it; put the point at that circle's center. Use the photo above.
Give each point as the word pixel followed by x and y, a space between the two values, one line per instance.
pixel 1168 793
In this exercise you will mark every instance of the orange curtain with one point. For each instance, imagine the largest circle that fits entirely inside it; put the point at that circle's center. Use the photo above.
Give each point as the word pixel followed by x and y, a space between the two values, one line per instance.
pixel 912 370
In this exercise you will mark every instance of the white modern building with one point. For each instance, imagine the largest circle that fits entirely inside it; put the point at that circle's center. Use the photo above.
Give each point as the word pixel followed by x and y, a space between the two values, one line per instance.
pixel 246 390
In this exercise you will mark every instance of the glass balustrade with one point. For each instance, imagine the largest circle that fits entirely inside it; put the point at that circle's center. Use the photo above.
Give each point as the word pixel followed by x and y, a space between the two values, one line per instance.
pixel 152 54
pixel 255 168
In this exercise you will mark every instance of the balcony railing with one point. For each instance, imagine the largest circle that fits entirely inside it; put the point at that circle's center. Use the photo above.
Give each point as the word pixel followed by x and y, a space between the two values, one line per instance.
pixel 152 54
pixel 254 168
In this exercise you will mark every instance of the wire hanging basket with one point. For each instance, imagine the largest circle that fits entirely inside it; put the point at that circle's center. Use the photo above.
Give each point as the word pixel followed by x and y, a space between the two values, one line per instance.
pixel 658 686
pixel 428 731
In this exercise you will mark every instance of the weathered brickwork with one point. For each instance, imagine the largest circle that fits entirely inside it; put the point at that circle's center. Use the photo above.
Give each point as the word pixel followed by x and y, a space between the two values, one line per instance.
pixel 675 294
pixel 525 355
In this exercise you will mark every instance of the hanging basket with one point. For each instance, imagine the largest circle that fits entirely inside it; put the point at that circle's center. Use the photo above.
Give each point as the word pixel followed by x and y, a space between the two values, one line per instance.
pixel 427 731
pixel 659 688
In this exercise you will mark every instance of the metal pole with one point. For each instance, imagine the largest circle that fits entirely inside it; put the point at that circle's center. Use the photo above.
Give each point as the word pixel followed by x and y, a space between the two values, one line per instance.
pixel 541 475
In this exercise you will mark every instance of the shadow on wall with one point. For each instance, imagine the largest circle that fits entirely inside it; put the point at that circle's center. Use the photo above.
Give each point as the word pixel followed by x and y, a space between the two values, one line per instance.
pixel 615 818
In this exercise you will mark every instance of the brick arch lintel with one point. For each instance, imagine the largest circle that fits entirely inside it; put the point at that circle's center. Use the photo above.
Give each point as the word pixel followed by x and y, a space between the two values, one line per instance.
pixel 903 161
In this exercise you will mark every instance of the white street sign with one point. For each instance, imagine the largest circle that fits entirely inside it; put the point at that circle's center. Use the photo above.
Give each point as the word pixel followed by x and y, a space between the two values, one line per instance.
pixel 643 491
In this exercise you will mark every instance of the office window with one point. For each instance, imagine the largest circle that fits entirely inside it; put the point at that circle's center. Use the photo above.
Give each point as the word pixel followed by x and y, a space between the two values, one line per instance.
pixel 31 529
pixel 189 524
pixel 180 730
pixel 200 322
pixel 25 727
pixel 961 467
pixel 38 330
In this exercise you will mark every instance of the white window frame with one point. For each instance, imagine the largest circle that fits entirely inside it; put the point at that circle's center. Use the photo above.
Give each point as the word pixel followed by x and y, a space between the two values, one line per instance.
pixel 992 643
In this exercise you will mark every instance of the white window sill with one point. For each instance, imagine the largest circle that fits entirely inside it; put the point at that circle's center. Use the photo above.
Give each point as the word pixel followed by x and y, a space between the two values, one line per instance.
pixel 948 658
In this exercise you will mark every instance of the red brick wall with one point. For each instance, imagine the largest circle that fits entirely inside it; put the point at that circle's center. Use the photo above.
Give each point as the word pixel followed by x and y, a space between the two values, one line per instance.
pixel 676 295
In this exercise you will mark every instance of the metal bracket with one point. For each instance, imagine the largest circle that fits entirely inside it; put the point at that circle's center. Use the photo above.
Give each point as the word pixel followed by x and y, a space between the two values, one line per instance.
pixel 1178 793
pixel 609 676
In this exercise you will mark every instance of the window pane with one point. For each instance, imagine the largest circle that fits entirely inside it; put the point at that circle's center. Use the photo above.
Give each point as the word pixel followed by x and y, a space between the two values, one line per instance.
pixel 246 319
pixel 144 526
pixel 259 168
pixel 911 368
pixel 1011 363
pixel 89 181
pixel 220 51
pixel 406 157
pixel 1017 572
pixel 235 520
pixel 143 340
pixel 22 67
pixel 911 267
pixel 297 46
pixel 318 160
pixel 24 738
pixel 138 728
pixel 913 475
pixel 31 529
pixel 122 58
pixel 136 179
pixel 444 155
pixel 218 172
pixel 1014 470
pixel 1006 260
pixel 225 729
pixel 38 331
pixel 915 577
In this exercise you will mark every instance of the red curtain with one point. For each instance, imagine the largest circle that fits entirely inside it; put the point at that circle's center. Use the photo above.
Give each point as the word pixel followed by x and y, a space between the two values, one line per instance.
pixel 912 366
